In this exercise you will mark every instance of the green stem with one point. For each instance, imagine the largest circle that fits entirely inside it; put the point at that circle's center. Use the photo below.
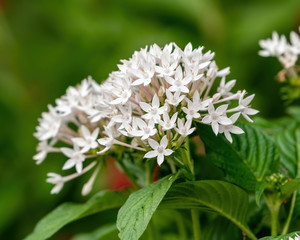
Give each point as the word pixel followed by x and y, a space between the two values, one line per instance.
pixel 288 221
pixel 274 221
pixel 181 228
pixel 196 224
pixel 274 204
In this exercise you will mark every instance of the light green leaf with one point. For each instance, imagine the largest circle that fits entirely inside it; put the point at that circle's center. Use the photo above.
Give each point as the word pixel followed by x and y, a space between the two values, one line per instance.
pixel 69 212
pixel 104 232
pixel 135 214
pixel 282 237
pixel 221 197
pixel 247 160
pixel 288 188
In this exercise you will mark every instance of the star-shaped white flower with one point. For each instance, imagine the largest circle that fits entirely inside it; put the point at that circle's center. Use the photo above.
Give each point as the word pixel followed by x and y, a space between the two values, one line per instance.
pixel 184 129
pixel 244 106
pixel 225 88
pixel 178 83
pixel 227 129
pixel 216 117
pixel 152 112
pixel 88 141
pixel 168 123
pixel 147 129
pixel 57 180
pixel 275 46
pixel 106 141
pixel 174 99
pixel 159 150
pixel 43 149
pixel 192 109
pixel 76 158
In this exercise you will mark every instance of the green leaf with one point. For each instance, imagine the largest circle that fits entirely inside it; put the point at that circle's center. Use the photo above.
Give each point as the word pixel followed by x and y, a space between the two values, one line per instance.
pixel 288 142
pixel 288 188
pixel 296 212
pixel 221 197
pixel 104 232
pixel 247 160
pixel 260 187
pixel 69 212
pixel 282 237
pixel 136 213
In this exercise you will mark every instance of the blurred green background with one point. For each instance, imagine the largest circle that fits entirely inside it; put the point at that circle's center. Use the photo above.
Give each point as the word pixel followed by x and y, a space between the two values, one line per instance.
pixel 45 46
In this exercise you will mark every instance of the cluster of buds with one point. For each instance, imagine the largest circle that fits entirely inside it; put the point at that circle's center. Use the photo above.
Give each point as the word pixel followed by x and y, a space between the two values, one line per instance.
pixel 148 105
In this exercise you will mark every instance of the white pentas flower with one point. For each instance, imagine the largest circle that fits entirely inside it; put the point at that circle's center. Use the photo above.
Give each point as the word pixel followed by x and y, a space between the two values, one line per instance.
pixel 278 46
pixel 88 140
pixel 57 180
pixel 76 158
pixel 160 150
pixel 149 105
pixel 228 129
pixel 217 117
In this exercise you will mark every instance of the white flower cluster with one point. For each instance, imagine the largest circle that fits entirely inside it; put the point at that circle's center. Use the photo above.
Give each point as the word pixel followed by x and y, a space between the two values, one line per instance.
pixel 278 46
pixel 149 105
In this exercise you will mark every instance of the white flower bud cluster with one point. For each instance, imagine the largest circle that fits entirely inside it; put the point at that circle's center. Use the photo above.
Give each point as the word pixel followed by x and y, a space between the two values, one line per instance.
pixel 278 46
pixel 149 105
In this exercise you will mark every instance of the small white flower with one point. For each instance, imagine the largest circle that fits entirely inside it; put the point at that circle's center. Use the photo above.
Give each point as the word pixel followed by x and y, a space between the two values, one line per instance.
pixel 106 141
pixel 216 117
pixel 192 109
pixel 159 150
pixel 89 139
pixel 168 123
pixel 147 129
pixel 50 124
pixel 43 149
pixel 178 83
pixel 153 112
pixel 225 88
pixel 184 129
pixel 76 158
pixel 174 99
pixel 227 129
pixel 131 130
pixel 57 180
pixel 124 117
pixel 244 108
pixel 273 47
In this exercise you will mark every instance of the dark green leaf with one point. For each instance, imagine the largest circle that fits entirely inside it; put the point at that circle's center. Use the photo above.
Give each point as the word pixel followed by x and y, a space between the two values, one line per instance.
pixel 260 187
pixel 224 198
pixel 247 160
pixel 135 214
pixel 282 237
pixel 288 142
pixel 69 212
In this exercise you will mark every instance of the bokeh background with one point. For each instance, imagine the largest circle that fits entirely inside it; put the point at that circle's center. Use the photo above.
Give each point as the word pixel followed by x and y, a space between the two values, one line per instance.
pixel 45 46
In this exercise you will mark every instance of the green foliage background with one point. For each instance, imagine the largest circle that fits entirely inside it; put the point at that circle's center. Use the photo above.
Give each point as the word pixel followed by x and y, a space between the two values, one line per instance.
pixel 45 46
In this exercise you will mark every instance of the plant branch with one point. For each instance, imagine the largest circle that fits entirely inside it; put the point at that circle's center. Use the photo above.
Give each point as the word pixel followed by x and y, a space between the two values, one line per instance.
pixel 196 224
